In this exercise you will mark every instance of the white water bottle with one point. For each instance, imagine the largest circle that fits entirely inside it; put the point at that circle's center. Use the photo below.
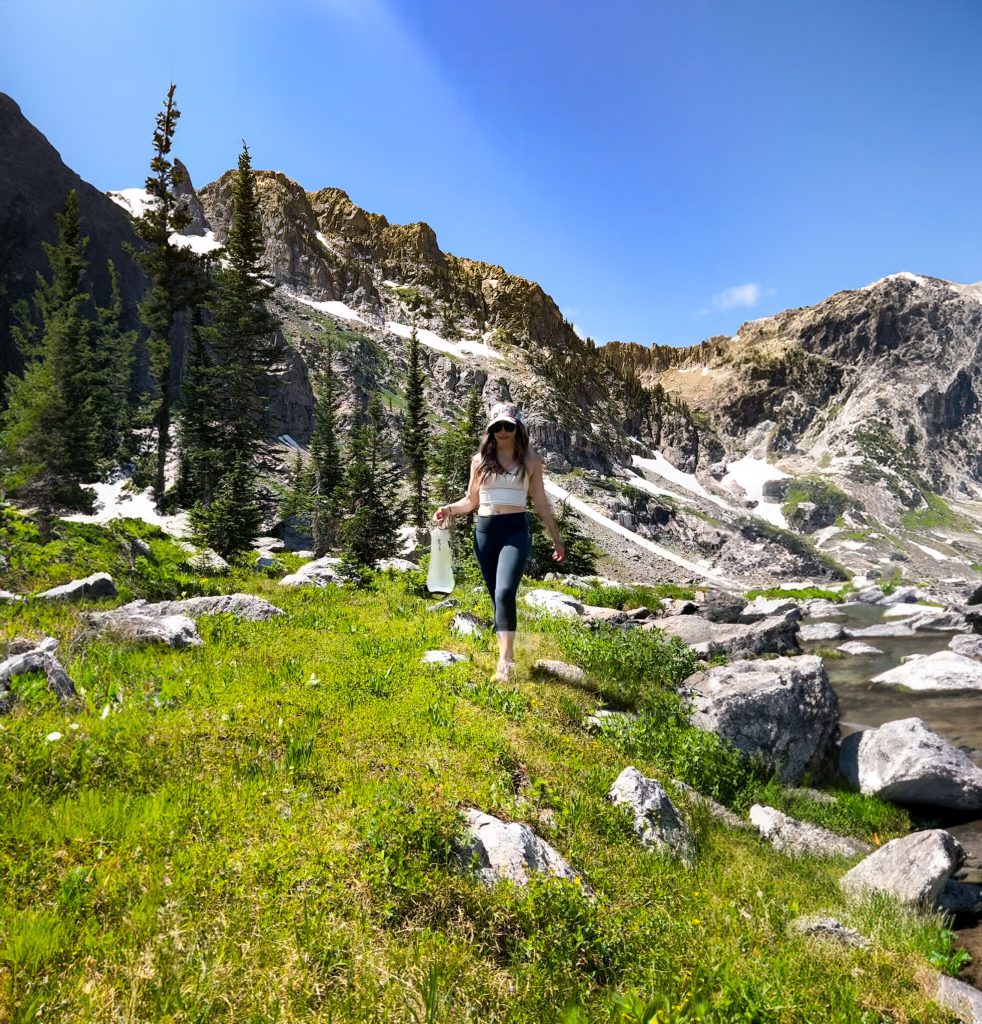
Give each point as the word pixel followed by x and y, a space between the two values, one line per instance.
pixel 439 580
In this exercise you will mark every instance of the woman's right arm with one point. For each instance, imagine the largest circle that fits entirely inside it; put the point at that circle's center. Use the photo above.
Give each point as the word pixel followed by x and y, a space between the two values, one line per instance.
pixel 468 503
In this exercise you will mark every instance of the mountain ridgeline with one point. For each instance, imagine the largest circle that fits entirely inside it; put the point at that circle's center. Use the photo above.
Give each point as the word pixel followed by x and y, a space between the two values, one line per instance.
pixel 871 397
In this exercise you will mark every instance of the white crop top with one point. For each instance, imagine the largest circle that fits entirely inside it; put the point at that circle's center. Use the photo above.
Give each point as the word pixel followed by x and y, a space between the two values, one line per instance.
pixel 505 489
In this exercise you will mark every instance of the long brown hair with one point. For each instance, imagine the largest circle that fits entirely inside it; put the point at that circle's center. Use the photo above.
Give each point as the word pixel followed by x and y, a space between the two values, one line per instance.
pixel 490 465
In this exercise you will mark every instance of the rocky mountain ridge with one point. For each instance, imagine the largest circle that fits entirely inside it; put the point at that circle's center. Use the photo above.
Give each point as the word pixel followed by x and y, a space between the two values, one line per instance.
pixel 851 427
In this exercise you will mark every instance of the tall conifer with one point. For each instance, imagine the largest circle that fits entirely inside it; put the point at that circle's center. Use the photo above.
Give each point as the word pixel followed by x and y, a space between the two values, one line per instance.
pixel 174 278
pixel 49 436
pixel 327 473
pixel 416 430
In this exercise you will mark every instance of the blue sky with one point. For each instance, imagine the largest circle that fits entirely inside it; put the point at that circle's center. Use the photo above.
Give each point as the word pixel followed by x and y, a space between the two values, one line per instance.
pixel 665 169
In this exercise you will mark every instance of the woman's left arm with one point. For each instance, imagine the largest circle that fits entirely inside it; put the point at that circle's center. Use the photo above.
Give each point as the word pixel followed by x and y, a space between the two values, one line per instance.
pixel 540 502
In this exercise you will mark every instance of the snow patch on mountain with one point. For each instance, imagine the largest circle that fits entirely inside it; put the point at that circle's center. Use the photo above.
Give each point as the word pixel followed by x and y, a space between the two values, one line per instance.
pixel 560 493
pixel 116 500
pixel 332 306
pixel 461 349
pixel 751 474
pixel 135 201
pixel 201 244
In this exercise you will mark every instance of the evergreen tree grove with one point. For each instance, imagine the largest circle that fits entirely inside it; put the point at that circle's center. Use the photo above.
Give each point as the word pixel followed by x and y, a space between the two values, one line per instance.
pixel 371 509
pixel 416 431
pixel 50 428
pixel 327 473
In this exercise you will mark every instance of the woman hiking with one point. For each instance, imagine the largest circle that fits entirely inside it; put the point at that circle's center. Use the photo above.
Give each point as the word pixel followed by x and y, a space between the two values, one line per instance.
pixel 505 472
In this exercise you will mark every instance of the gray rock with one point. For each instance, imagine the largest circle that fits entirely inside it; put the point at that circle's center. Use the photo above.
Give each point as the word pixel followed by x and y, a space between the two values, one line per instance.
pixel 880 629
pixel 498 851
pixel 136 627
pixel 466 624
pixel 943 670
pixel 906 610
pixel 99 584
pixel 783 710
pixel 6 595
pixel 800 838
pixel 657 823
pixel 210 561
pixel 442 658
pixel 445 605
pixel 960 898
pixel 968 645
pixel 817 631
pixel 555 603
pixel 395 564
pixel 906 762
pixel 321 572
pixel 241 606
pixel 938 620
pixel 38 659
pixel 913 869
pixel 900 595
pixel 763 607
pixel 267 562
pixel 22 645
pixel 828 928
pixel 857 647
pixel 819 608
pixel 964 1001
pixel 723 607
pixel 562 670
pixel 775 635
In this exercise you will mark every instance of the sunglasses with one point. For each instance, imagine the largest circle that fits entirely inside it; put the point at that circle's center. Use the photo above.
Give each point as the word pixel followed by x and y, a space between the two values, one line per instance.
pixel 508 428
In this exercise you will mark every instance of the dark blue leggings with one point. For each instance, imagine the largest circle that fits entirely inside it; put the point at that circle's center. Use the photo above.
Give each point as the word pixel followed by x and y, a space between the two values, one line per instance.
pixel 502 544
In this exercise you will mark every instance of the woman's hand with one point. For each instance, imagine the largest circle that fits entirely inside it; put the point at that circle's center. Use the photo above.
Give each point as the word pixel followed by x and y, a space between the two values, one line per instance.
pixel 441 514
pixel 560 553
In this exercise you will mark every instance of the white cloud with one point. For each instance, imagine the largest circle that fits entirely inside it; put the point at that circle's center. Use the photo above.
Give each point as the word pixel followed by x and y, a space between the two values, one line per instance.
pixel 738 295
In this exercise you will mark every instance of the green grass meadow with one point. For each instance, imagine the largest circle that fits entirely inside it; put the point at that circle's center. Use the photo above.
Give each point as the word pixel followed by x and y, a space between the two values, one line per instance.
pixel 263 828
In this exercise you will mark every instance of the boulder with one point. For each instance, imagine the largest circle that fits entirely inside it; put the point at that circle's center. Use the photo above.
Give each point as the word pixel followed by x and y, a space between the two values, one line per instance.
pixel 777 634
pixel 857 647
pixel 879 629
pixel 800 838
pixel 938 620
pixel 819 608
pixel 241 606
pixel 968 645
pixel 555 603
pixel 395 564
pixel 442 658
pixel 99 584
pixel 818 631
pixel 906 762
pixel 783 711
pixel 958 997
pixel 657 823
pixel 763 607
pixel 500 851
pixel 721 606
pixel 208 561
pixel 562 670
pixel 321 572
pixel 136 627
pixel 6 595
pixel 943 670
pixel 913 869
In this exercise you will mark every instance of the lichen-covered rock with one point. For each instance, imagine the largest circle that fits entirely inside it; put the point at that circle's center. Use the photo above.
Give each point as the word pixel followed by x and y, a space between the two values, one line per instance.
pixel 555 603
pixel 906 762
pixel 777 634
pixel 321 572
pixel 801 838
pixel 561 670
pixel 829 929
pixel 500 851
pixel 913 869
pixel 783 711
pixel 135 627
pixel 99 584
pixel 657 822
pixel 241 606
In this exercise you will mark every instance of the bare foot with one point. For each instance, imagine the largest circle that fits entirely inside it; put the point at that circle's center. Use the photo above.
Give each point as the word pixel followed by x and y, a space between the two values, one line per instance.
pixel 504 671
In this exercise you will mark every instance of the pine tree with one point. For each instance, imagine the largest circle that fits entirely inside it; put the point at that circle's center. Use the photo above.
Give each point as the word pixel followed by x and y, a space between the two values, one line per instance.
pixel 114 352
pixel 49 436
pixel 416 430
pixel 232 520
pixel 371 510
pixel 227 390
pixel 175 279
pixel 454 450
pixel 580 552
pixel 327 473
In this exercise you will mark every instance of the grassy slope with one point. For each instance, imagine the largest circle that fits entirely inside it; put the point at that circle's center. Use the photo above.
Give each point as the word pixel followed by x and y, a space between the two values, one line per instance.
pixel 261 829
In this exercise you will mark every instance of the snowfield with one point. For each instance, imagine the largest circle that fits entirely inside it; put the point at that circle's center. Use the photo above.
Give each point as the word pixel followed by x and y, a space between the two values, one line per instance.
pixel 461 349
pixel 751 474
pixel 332 306
pixel 116 501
